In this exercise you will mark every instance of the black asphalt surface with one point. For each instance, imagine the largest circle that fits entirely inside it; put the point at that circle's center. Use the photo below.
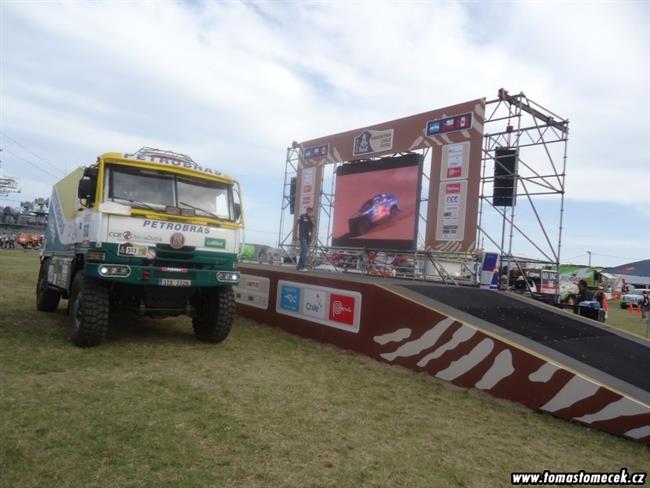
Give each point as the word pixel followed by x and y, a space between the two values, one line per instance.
pixel 622 358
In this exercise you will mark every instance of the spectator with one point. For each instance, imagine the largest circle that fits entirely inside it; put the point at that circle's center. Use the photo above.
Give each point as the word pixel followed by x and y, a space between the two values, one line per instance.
pixel 305 229
pixel 503 283
pixel 643 304
pixel 584 295
pixel 601 298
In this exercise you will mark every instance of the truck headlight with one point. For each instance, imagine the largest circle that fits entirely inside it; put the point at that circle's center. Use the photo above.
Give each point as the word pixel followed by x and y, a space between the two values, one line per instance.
pixel 228 276
pixel 115 270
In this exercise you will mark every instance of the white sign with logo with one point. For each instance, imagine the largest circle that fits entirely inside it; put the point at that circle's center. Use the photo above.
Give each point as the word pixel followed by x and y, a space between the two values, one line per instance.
pixel 332 307
pixel 372 141
pixel 307 189
pixel 455 161
pixel 253 291
pixel 314 303
pixel 452 202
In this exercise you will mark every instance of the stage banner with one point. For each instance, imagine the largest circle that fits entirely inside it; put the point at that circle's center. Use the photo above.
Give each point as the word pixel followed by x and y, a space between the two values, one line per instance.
pixel 308 189
pixel 455 136
pixel 457 141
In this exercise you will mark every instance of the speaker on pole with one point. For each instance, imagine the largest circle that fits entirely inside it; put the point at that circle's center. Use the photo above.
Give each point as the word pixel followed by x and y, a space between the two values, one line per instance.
pixel 292 195
pixel 505 177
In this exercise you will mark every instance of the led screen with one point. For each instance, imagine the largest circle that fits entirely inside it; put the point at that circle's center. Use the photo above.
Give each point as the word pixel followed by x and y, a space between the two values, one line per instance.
pixel 376 203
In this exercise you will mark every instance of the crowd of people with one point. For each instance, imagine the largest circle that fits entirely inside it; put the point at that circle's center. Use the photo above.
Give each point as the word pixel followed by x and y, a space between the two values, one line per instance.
pixel 21 240
pixel 7 241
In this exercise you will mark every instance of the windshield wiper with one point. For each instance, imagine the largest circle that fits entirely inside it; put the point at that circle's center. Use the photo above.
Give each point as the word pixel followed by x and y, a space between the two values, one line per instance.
pixel 145 205
pixel 202 210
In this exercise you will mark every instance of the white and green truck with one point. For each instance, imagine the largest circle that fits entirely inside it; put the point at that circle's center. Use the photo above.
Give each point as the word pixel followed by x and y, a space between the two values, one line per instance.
pixel 151 232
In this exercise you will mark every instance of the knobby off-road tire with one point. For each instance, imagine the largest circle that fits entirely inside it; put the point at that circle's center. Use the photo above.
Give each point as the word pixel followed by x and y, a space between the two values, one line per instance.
pixel 216 315
pixel 47 300
pixel 89 311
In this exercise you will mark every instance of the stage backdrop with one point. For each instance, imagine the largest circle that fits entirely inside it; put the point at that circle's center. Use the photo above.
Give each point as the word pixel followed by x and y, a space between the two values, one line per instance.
pixel 455 136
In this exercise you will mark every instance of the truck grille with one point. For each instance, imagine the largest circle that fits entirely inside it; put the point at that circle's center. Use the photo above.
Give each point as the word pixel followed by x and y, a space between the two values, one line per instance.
pixel 185 257
pixel 165 251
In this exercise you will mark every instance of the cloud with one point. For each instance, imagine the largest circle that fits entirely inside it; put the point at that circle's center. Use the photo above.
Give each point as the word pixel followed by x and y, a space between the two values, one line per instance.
pixel 232 84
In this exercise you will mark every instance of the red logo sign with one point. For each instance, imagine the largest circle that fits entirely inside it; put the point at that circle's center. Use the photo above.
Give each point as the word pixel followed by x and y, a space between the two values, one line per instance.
pixel 342 309
pixel 177 240
pixel 453 172
pixel 453 187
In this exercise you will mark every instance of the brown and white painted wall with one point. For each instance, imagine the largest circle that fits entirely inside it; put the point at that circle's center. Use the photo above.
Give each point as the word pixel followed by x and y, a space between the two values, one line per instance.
pixel 377 322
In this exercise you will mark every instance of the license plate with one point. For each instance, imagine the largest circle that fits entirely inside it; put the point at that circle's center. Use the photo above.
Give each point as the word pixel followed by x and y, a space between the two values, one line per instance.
pixel 170 282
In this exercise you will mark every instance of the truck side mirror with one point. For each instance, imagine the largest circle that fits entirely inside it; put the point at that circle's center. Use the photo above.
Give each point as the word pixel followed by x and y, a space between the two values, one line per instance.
pixel 236 204
pixel 87 189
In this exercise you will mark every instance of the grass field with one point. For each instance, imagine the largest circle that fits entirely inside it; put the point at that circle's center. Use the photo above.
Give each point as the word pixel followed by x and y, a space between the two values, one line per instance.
pixel 153 407
pixel 624 320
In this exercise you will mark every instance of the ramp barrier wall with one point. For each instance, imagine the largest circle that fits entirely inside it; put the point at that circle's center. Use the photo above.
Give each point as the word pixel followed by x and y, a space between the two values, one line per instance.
pixel 370 318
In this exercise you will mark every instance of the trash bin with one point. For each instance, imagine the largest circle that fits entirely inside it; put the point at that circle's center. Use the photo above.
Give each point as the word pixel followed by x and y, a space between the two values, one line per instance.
pixel 591 309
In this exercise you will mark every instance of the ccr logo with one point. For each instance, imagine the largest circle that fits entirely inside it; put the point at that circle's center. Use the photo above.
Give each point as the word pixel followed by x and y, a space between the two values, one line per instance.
pixel 453 199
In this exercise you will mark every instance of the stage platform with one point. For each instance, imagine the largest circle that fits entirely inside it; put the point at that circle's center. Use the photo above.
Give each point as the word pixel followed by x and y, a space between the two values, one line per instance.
pixel 503 343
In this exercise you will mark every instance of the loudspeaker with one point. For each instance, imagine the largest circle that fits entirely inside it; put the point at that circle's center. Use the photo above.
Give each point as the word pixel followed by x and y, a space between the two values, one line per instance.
pixel 292 195
pixel 505 180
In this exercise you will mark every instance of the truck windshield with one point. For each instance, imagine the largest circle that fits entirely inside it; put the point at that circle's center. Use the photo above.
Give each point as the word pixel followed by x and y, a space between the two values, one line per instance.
pixel 164 192
pixel 206 197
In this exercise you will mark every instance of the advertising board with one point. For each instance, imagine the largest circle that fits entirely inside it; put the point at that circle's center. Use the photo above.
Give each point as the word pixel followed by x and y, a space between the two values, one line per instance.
pixel 331 307
pixel 253 291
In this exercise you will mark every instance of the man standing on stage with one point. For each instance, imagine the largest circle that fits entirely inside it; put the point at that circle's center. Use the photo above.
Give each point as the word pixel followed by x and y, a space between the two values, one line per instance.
pixel 305 229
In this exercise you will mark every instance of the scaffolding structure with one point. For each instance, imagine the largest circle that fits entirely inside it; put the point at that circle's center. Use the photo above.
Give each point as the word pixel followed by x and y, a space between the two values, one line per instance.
pixel 540 139
pixel 532 226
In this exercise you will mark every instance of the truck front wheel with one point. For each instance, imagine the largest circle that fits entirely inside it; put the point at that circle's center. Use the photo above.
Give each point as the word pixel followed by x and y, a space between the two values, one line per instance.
pixel 215 315
pixel 47 300
pixel 89 311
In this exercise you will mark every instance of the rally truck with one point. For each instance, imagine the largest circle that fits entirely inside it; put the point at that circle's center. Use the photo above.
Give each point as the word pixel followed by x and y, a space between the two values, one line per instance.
pixel 375 210
pixel 150 232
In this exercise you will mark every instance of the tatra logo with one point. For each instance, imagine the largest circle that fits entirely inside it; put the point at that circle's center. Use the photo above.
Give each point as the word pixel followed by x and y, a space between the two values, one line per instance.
pixel 177 240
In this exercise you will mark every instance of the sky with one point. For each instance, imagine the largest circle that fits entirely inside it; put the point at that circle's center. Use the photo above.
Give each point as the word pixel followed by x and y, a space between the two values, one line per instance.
pixel 232 84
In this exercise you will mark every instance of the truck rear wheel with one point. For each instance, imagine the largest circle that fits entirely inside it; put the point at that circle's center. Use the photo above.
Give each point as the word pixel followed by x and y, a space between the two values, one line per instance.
pixel 89 311
pixel 47 300
pixel 216 315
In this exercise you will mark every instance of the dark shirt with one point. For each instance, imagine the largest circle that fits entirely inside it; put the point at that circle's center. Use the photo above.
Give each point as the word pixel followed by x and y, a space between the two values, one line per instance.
pixel 305 227
pixel 585 295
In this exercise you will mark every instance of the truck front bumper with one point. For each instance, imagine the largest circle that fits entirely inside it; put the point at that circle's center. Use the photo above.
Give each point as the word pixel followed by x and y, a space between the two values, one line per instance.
pixel 161 276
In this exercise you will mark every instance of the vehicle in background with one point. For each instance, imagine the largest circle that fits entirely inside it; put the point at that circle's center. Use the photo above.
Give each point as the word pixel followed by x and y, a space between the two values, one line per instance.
pixel 633 297
pixel 571 275
pixel 380 208
pixel 28 240
pixel 151 232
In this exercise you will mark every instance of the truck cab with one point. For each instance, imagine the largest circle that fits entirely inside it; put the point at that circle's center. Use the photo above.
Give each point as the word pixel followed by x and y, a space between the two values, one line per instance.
pixel 152 232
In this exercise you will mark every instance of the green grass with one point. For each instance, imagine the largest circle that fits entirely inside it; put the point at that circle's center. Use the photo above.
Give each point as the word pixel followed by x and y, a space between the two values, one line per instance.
pixel 624 320
pixel 153 407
